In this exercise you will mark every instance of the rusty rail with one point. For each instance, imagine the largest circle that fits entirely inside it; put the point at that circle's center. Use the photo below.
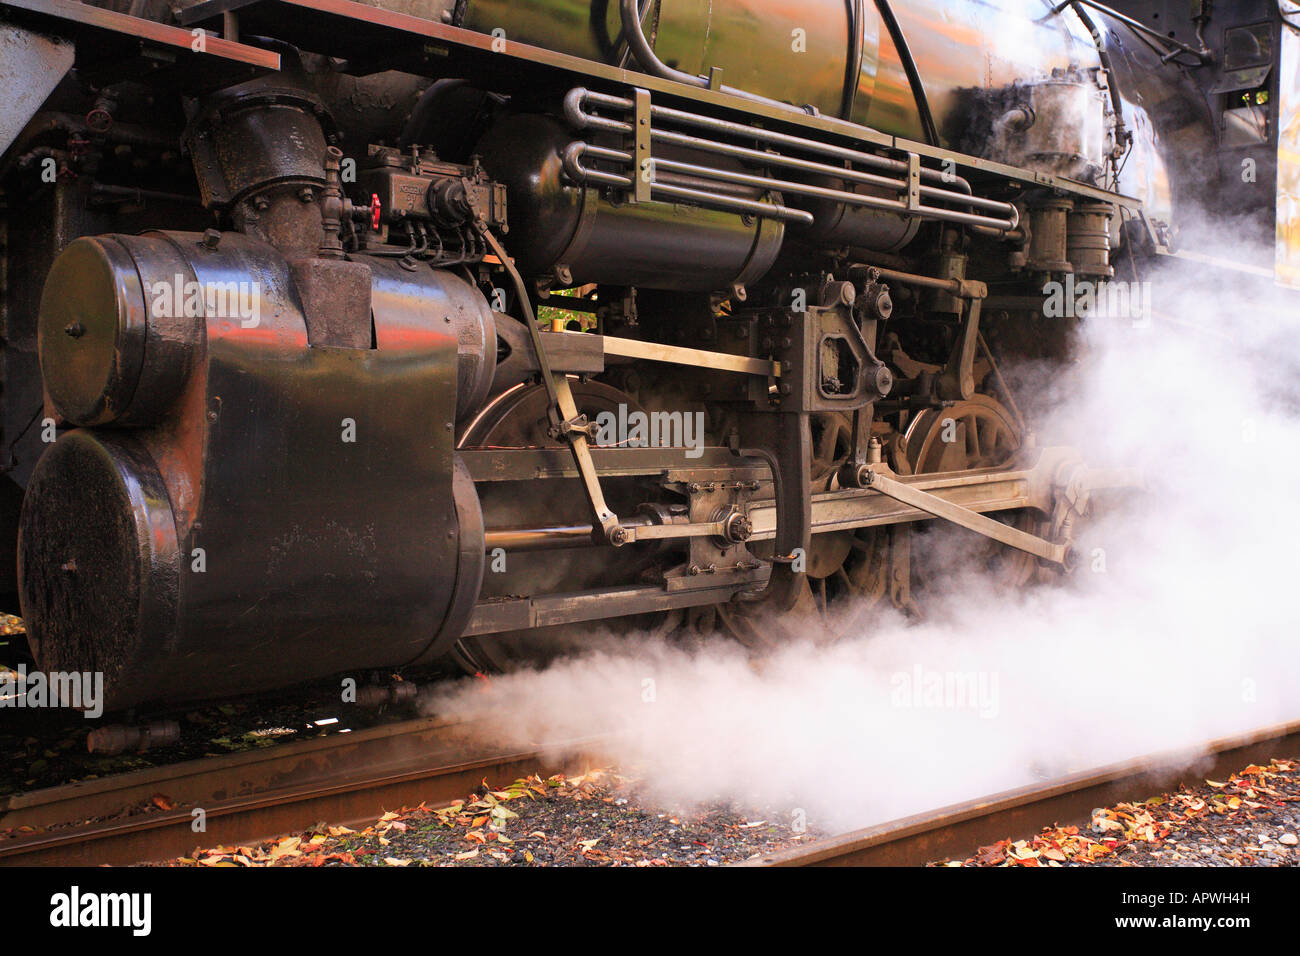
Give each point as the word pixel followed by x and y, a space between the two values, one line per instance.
pixel 346 779
pixel 956 831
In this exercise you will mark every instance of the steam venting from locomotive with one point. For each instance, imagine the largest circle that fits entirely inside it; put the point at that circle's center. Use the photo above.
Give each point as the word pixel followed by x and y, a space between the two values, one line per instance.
pixel 1178 628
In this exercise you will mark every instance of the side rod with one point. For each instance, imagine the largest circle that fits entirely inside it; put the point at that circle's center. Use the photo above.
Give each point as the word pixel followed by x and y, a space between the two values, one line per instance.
pixel 934 505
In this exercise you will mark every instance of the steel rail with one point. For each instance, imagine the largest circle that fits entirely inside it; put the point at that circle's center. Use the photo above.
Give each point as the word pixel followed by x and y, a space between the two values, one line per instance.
pixel 957 831
pixel 195 781
pixel 250 797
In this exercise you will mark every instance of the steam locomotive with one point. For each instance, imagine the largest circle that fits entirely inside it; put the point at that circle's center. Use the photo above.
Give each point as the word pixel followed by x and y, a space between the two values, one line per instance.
pixel 353 335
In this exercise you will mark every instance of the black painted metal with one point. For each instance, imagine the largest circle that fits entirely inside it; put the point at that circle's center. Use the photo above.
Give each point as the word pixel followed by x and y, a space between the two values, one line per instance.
pixel 315 481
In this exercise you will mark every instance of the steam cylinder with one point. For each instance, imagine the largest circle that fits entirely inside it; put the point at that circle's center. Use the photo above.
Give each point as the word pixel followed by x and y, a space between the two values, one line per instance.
pixel 253 491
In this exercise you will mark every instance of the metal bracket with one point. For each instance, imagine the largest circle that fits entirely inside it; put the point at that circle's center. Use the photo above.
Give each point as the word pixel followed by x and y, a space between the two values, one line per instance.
pixel 913 182
pixel 576 426
pixel 643 177
pixel 957 382
pixel 784 440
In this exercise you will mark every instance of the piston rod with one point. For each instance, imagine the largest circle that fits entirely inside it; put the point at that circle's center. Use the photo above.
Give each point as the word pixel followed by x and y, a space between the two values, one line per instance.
pixel 961 498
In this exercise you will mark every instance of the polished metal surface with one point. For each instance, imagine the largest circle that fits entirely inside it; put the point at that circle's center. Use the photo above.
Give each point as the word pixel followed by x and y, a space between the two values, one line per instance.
pixel 661 245
pixel 407 304
pixel 753 42
pixel 314 481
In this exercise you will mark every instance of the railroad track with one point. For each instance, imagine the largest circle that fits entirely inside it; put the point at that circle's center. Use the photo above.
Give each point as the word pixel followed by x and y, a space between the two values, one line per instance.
pixel 956 831
pixel 353 778
pixel 345 779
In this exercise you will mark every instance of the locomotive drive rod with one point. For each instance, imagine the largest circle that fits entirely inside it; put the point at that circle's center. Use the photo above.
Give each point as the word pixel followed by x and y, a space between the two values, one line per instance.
pixel 959 498
pixel 934 505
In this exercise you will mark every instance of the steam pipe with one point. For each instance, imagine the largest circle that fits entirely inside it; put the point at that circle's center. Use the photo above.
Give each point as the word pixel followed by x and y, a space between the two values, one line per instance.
pixel 1103 54
pixel 853 68
pixel 909 67
pixel 580 173
pixel 1205 55
pixel 820 192
pixel 822 169
pixel 579 118
pixel 649 61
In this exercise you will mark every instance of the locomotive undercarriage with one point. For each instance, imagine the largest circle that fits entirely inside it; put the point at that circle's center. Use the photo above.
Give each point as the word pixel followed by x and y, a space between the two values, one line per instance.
pixel 397 442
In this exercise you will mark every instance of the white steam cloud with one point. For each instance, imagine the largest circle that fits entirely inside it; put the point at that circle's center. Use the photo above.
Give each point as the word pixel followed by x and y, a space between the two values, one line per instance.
pixel 1192 631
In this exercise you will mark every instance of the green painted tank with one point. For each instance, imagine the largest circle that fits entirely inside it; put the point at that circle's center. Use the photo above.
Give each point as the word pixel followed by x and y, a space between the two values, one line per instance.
pixel 805 52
